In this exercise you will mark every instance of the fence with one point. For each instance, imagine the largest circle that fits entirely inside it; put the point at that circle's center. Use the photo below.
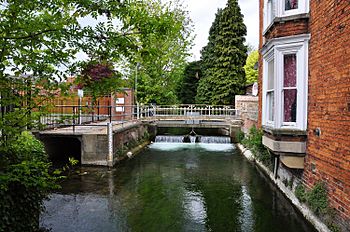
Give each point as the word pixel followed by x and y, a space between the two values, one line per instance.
pixel 208 111
pixel 75 115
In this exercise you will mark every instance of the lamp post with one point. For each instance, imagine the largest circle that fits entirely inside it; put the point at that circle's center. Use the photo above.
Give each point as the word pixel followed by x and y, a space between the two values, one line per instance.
pixel 136 100
pixel 80 95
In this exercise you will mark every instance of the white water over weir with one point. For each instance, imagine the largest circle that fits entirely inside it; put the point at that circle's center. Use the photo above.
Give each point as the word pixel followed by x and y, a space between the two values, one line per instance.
pixel 192 139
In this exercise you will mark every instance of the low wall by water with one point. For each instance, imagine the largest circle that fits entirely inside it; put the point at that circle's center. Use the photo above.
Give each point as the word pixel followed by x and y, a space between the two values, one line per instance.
pixel 287 190
pixel 95 148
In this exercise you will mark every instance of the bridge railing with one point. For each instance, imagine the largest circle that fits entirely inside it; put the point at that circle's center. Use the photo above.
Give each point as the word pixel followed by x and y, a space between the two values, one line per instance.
pixel 75 115
pixel 191 111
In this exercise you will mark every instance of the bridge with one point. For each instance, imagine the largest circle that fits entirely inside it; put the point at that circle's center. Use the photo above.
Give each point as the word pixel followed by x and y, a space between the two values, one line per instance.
pixel 97 133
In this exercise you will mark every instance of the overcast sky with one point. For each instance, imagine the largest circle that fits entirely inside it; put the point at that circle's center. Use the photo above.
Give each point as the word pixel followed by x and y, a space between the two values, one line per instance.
pixel 202 12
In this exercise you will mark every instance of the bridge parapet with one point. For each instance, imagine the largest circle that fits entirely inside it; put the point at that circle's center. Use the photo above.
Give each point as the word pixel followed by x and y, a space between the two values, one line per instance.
pixel 199 112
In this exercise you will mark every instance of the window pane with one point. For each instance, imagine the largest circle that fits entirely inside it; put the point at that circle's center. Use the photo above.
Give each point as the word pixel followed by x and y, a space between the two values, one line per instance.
pixel 271 74
pixel 290 105
pixel 290 70
pixel 271 106
pixel 291 4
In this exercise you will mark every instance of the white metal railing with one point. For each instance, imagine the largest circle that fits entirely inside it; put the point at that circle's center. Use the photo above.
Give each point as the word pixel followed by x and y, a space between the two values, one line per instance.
pixel 188 111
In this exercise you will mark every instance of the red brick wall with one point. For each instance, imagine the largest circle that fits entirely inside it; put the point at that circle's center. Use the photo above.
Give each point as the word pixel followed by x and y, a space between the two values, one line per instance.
pixel 329 98
pixel 288 28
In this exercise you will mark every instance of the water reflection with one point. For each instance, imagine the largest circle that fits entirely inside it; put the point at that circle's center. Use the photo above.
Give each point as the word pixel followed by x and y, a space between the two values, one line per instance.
pixel 173 187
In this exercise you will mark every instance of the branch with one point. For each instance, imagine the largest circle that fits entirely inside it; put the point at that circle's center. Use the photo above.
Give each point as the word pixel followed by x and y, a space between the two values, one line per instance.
pixel 31 35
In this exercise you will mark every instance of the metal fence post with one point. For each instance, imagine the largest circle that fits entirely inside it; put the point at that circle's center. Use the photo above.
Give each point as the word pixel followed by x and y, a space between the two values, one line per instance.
pixel 110 113
pixel 110 144
pixel 74 118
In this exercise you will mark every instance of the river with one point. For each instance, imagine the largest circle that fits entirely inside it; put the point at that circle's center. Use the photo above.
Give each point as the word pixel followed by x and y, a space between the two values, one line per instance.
pixel 173 187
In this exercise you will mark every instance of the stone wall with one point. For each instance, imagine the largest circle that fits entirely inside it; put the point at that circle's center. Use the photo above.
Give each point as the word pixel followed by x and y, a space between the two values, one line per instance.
pixel 248 108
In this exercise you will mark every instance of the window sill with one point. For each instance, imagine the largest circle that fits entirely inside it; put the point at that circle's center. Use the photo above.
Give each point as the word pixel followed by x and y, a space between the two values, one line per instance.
pixel 284 131
pixel 285 19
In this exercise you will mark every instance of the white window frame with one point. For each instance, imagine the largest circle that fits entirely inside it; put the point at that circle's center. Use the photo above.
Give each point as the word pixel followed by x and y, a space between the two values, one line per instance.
pixel 278 10
pixel 276 49
pixel 269 57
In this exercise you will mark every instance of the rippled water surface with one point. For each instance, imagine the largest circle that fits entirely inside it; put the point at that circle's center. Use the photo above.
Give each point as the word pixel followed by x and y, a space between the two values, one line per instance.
pixel 173 187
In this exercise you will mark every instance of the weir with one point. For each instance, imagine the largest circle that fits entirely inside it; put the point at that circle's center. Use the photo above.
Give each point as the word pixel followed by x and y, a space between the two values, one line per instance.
pixel 192 139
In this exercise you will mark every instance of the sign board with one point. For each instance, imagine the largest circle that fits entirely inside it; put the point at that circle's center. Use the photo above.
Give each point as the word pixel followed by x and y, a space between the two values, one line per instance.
pixel 255 89
pixel 119 109
pixel 119 101
pixel 80 93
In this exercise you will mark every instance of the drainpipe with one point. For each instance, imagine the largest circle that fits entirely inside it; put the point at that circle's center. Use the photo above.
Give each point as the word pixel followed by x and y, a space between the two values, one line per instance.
pixel 275 169
pixel 110 144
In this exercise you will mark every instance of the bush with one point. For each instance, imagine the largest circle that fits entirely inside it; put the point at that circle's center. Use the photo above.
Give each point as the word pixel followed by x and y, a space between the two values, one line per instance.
pixel 254 142
pixel 300 192
pixel 317 198
pixel 240 136
pixel 24 183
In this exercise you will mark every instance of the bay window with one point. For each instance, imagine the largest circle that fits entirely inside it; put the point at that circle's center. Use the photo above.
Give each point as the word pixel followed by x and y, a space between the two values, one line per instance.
pixel 283 8
pixel 285 82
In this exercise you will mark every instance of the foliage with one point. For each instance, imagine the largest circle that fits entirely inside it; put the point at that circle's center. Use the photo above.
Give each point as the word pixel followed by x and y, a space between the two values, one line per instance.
pixel 317 198
pixel 300 192
pixel 250 72
pixel 187 88
pixel 24 183
pixel 99 79
pixel 40 42
pixel 159 63
pixel 253 141
pixel 223 58
pixel 67 167
pixel 240 136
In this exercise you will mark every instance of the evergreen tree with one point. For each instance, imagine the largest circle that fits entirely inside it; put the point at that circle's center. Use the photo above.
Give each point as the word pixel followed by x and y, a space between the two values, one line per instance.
pixel 187 89
pixel 223 58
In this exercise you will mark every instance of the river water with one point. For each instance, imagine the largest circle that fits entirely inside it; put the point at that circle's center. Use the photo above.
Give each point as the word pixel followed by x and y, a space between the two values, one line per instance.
pixel 173 187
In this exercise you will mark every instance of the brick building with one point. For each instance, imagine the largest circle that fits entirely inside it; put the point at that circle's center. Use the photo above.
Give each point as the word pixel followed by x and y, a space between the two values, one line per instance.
pixel 304 105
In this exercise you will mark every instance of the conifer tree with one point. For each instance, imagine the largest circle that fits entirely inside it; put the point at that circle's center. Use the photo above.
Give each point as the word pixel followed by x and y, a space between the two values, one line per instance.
pixel 224 58
pixel 187 88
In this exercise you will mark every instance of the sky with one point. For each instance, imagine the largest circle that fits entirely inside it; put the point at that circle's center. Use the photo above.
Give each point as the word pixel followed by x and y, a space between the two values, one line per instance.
pixel 202 13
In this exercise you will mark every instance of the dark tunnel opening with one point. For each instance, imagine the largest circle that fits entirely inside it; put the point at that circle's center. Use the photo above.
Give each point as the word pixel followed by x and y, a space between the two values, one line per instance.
pixel 59 149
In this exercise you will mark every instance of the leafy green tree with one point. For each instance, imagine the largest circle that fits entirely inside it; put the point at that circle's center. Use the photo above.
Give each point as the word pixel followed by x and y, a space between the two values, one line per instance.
pixel 224 57
pixel 40 41
pixel 251 71
pixel 161 58
pixel 187 88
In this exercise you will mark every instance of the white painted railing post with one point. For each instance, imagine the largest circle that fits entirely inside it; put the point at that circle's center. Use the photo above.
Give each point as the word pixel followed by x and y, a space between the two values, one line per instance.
pixel 137 111
pixel 110 144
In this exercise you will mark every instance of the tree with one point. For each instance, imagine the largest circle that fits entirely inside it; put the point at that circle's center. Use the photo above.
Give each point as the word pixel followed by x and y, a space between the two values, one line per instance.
pixel 39 43
pixel 161 57
pixel 223 58
pixel 251 70
pixel 187 88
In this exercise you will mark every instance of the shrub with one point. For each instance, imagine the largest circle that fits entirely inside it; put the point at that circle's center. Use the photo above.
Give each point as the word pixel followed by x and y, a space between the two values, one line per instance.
pixel 317 198
pixel 254 142
pixel 300 192
pixel 24 183
pixel 240 136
